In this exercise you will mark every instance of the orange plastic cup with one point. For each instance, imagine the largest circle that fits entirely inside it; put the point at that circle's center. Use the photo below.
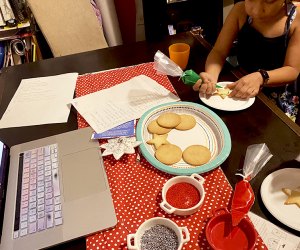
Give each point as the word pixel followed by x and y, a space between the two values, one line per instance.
pixel 179 53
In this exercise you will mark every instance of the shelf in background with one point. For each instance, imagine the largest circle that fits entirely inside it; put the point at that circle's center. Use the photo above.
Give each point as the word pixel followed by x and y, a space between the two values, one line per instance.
pixel 20 25
pixel 8 33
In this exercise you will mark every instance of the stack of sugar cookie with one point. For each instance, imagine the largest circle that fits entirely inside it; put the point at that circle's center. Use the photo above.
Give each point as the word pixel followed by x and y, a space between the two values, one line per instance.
pixel 168 153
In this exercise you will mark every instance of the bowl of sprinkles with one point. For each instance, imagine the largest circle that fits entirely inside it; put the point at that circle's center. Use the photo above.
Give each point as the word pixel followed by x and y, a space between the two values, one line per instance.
pixel 183 195
pixel 158 233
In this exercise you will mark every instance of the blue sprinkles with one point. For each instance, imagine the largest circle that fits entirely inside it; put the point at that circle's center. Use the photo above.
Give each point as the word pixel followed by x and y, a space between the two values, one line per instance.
pixel 159 237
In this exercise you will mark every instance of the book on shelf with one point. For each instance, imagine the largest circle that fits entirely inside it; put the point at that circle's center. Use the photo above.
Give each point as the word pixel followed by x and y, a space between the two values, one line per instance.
pixel 20 25
pixel 6 11
pixel 12 12
pixel 19 50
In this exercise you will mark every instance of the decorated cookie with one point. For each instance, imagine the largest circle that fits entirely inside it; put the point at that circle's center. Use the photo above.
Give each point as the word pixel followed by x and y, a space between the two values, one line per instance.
pixel 154 128
pixel 119 146
pixel 168 120
pixel 187 122
pixel 223 92
pixel 168 154
pixel 158 140
pixel 293 196
pixel 196 155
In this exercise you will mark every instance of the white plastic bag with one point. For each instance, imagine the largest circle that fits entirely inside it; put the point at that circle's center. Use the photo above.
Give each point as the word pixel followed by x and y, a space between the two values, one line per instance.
pixel 164 65
pixel 257 156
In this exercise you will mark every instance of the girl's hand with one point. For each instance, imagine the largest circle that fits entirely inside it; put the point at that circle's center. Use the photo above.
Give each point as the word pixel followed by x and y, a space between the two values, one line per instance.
pixel 247 86
pixel 206 84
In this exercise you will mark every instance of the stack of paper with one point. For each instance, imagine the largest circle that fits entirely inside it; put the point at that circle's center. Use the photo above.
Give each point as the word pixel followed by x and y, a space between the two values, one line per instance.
pixel 41 100
pixel 124 102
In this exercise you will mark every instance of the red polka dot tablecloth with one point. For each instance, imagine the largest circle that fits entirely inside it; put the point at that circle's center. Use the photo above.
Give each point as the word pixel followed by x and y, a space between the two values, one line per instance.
pixel 136 185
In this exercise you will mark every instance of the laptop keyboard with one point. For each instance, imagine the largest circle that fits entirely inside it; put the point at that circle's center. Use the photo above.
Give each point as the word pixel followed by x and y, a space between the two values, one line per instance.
pixel 38 201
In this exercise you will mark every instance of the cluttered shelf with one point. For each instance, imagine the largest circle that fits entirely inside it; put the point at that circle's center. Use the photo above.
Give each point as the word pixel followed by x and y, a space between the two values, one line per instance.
pixel 12 32
pixel 18 42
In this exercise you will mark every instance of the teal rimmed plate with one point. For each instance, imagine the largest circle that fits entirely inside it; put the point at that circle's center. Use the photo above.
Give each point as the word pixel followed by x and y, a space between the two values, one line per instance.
pixel 209 131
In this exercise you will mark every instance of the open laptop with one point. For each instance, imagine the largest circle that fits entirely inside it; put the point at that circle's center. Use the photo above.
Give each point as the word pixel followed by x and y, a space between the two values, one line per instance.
pixel 56 190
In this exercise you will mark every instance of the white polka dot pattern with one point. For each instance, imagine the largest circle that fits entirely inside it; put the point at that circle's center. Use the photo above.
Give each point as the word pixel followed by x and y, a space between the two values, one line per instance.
pixel 136 185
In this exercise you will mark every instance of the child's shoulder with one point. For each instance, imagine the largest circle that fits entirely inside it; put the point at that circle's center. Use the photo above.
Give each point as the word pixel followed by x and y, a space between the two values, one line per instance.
pixel 297 4
pixel 239 13
pixel 297 7
pixel 297 17
pixel 295 27
pixel 239 9
pixel 240 6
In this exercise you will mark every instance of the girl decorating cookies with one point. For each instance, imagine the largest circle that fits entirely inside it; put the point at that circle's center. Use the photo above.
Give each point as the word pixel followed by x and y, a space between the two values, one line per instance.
pixel 268 49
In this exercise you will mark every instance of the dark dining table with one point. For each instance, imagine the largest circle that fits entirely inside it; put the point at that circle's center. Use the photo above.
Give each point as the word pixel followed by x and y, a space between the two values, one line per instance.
pixel 263 122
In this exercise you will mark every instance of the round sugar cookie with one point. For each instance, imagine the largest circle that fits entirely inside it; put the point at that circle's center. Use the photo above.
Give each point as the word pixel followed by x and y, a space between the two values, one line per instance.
pixel 169 120
pixel 168 154
pixel 154 128
pixel 187 122
pixel 196 155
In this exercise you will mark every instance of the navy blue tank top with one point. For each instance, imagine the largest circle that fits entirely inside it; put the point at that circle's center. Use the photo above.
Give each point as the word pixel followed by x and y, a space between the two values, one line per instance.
pixel 254 51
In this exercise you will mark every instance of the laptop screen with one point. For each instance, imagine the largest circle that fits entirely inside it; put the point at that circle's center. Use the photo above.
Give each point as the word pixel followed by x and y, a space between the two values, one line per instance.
pixel 4 159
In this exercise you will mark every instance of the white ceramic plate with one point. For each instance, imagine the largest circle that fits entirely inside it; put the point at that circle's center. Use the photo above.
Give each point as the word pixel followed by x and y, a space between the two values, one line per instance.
pixel 227 104
pixel 273 197
pixel 209 131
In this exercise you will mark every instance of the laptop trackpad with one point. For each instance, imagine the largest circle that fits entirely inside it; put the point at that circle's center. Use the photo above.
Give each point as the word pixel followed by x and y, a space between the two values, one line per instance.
pixel 82 174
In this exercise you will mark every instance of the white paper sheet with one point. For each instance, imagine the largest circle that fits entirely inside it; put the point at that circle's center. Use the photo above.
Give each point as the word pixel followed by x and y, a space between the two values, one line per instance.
pixel 41 100
pixel 274 237
pixel 111 107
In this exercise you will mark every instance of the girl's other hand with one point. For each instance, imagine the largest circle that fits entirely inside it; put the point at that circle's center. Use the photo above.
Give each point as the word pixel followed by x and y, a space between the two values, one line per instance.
pixel 206 84
pixel 247 86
